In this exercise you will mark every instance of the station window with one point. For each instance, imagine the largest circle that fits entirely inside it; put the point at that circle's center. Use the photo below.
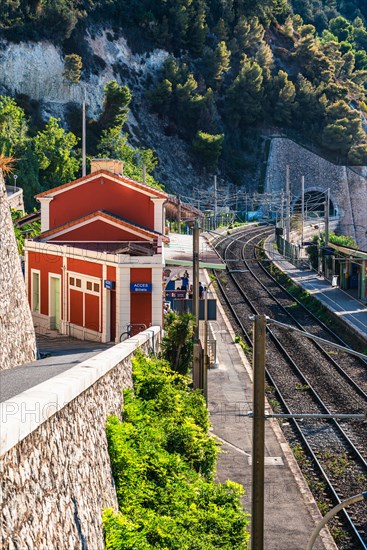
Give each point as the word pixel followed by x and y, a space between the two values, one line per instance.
pixel 84 285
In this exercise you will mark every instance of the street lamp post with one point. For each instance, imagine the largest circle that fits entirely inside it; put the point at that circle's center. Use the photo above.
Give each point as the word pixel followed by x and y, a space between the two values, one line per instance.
pixel 197 375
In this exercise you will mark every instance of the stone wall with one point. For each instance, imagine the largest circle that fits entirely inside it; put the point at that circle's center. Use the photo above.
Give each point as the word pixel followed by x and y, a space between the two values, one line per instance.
pixel 55 468
pixel 17 338
pixel 348 186
pixel 15 197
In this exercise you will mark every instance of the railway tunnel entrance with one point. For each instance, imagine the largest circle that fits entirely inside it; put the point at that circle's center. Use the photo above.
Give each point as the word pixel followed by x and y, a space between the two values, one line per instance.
pixel 314 205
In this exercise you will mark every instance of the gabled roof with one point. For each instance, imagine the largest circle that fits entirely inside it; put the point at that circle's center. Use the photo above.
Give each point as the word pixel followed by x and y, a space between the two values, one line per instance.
pixel 146 189
pixel 109 218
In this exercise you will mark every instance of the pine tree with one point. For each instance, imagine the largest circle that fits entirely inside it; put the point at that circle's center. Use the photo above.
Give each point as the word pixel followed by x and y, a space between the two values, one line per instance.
pixel 221 61
pixel 244 96
pixel 284 98
pixel 264 58
pixel 73 68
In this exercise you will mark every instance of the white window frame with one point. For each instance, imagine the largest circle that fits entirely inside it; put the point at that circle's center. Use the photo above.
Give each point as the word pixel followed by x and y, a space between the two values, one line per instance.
pixel 85 278
pixel 38 272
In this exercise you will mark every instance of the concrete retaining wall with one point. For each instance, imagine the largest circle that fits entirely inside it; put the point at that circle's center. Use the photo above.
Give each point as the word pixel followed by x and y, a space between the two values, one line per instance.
pixel 54 462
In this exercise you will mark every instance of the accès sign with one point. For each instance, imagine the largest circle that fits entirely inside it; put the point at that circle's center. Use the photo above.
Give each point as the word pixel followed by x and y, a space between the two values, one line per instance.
pixel 141 287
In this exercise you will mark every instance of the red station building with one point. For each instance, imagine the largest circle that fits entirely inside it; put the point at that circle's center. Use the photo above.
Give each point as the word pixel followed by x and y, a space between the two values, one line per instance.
pixel 97 265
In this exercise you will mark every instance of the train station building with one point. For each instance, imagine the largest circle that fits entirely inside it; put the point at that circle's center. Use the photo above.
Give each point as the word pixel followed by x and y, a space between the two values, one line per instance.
pixel 95 271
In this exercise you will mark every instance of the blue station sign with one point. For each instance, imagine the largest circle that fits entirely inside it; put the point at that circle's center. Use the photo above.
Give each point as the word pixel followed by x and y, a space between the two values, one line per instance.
pixel 140 287
pixel 111 285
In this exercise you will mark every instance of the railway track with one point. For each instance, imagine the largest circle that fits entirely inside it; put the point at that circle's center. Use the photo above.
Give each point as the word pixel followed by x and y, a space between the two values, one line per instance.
pixel 305 377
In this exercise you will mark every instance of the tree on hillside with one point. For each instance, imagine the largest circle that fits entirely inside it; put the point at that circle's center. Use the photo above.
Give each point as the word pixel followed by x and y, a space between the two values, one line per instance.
pixel 265 59
pixel 357 155
pixel 73 68
pixel 312 105
pixel 343 128
pixel 198 30
pixel 244 96
pixel 284 104
pixel 13 127
pixel 188 105
pixel 208 148
pixel 115 106
pixel 341 28
pixel 248 34
pixel 113 144
pixel 55 150
pixel 221 62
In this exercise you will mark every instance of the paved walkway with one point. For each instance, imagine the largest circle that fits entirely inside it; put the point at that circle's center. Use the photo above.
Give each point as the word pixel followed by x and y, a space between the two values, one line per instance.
pixel 64 352
pixel 336 300
pixel 290 511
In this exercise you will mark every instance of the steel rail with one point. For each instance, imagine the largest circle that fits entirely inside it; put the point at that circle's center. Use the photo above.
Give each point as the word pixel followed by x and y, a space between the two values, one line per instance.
pixel 316 397
pixel 340 369
pixel 319 321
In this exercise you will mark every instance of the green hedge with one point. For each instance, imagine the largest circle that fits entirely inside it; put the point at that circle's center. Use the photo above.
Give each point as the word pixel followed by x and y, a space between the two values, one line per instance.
pixel 163 462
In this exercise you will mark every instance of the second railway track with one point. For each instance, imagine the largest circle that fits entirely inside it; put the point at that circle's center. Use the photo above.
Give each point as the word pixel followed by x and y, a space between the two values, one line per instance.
pixel 305 377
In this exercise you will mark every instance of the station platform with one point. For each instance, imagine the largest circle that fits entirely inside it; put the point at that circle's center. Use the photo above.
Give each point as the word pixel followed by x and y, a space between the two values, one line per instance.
pixel 290 509
pixel 340 303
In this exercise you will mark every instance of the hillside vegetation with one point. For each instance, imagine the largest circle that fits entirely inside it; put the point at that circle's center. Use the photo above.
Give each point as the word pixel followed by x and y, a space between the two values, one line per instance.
pixel 163 462
pixel 237 68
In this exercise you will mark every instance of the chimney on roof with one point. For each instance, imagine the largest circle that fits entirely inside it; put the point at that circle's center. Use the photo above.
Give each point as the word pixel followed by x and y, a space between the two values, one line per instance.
pixel 114 166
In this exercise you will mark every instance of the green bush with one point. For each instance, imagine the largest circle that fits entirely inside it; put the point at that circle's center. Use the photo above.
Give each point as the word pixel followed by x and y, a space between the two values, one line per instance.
pixel 163 462
pixel 177 345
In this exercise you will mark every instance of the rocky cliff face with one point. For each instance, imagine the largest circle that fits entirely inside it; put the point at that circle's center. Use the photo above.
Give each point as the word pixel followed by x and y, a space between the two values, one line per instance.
pixel 36 70
pixel 17 338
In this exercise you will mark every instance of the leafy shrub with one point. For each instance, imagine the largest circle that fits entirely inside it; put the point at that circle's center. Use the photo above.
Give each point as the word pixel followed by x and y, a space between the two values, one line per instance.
pixel 177 345
pixel 163 463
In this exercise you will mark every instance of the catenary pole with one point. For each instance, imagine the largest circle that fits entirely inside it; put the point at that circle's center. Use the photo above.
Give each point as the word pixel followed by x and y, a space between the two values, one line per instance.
pixel 287 206
pixel 179 215
pixel 327 211
pixel 195 307
pixel 303 208
pixel 215 202
pixel 258 433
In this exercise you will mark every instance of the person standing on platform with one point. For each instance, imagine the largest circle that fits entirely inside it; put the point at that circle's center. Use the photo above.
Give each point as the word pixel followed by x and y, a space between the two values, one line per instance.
pixel 201 291
pixel 185 281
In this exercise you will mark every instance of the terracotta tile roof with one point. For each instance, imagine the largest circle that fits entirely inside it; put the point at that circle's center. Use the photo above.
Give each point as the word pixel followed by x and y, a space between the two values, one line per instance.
pixel 108 216
pixel 121 179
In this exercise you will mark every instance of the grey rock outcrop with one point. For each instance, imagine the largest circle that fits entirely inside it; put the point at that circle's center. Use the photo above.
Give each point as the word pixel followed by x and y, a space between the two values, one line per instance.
pixel 17 337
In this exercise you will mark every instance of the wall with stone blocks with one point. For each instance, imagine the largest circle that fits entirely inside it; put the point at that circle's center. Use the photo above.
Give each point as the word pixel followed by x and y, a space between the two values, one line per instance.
pixel 54 464
pixel 17 337
pixel 348 186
